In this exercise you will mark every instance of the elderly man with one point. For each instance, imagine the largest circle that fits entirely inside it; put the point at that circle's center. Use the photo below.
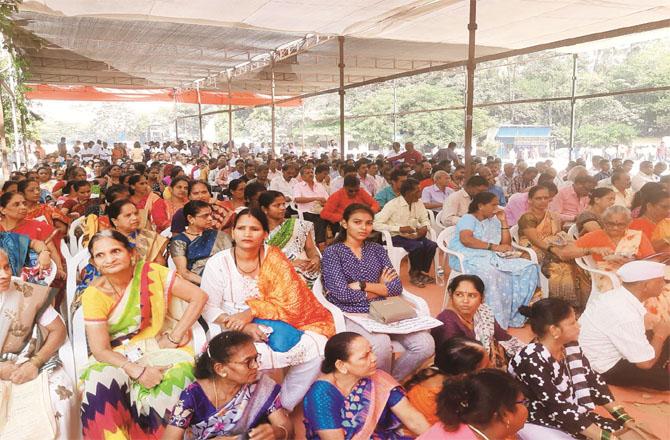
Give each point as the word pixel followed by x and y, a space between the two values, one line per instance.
pixel 524 181
pixel 613 334
pixel 456 205
pixel 505 179
pixel 410 156
pixel 407 220
pixel 285 182
pixel 486 173
pixel 620 184
pixel 573 199
pixel 433 196
pixel 392 191
pixel 645 175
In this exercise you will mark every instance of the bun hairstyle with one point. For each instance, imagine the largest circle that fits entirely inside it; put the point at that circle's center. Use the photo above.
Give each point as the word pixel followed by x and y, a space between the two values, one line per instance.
pixel 219 350
pixel 477 398
pixel 481 198
pixel 545 313
pixel 337 349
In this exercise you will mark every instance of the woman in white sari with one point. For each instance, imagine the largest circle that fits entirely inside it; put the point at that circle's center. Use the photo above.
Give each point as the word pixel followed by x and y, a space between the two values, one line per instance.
pixel 31 332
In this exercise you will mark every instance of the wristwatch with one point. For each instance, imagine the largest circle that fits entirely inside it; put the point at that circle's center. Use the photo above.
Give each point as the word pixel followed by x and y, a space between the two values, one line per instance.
pixel 363 284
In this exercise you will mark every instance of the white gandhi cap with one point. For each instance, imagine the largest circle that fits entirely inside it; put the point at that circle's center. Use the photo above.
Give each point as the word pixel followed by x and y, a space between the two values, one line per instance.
pixel 641 271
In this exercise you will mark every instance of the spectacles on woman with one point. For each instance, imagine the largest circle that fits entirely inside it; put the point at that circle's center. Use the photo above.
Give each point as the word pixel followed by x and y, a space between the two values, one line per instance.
pixel 249 362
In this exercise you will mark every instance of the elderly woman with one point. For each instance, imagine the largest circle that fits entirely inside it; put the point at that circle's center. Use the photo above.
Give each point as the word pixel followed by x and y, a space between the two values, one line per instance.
pixel 254 288
pixel 249 400
pixel 482 236
pixel 352 399
pixel 293 236
pixel 31 332
pixel 541 229
pixel 191 249
pixel 599 200
pixel 467 315
pixel 138 317
pixel 614 245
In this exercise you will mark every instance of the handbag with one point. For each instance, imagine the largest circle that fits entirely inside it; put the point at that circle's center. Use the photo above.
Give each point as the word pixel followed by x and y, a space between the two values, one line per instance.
pixel 392 309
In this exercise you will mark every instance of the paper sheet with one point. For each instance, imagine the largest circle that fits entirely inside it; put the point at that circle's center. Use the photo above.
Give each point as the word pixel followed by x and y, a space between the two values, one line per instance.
pixel 403 327
pixel 29 401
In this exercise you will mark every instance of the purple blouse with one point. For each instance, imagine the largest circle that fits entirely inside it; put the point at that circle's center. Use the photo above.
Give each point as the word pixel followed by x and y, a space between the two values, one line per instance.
pixel 340 267
pixel 453 326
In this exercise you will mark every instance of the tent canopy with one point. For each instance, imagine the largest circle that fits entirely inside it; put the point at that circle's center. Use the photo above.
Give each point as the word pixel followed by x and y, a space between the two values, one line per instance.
pixel 174 44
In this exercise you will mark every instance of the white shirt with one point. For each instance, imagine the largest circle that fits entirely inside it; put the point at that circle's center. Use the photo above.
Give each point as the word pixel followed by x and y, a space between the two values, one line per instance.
pixel 398 213
pixel 455 206
pixel 336 184
pixel 281 185
pixel 613 329
pixel 638 180
pixel 302 189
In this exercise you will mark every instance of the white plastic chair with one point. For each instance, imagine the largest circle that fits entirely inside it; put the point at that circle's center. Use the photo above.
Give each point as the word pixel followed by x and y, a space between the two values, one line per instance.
pixel 396 254
pixel 294 207
pixel 74 266
pixel 443 243
pixel 434 223
pixel 72 236
pixel 544 281
pixel 573 232
pixel 167 233
pixel 588 264
pixel 52 275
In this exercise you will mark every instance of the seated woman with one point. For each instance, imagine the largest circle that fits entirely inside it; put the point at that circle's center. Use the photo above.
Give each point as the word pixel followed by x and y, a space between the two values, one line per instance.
pixel 488 404
pixel 163 209
pixel 541 229
pixel 352 399
pixel 199 190
pixel 143 198
pixel 236 201
pixel 42 236
pixel 252 192
pixel 191 249
pixel 599 200
pixel 42 211
pixel 640 197
pixel 457 355
pixel 617 242
pixel 131 314
pixel 357 272
pixel 479 235
pixel 660 238
pixel 467 315
pixel 253 282
pixel 562 388
pixel 80 202
pixel 655 209
pixel 249 402
pixel 31 332
pixel 293 236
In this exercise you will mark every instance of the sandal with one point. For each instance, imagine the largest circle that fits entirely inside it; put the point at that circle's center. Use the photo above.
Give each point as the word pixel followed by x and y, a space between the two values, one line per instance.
pixel 417 281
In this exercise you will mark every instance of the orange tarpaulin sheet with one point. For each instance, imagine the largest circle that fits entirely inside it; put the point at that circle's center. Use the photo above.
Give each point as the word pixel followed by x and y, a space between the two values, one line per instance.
pixel 91 93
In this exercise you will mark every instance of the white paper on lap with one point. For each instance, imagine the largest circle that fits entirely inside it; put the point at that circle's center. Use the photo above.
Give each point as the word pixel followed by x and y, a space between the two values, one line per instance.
pixel 404 327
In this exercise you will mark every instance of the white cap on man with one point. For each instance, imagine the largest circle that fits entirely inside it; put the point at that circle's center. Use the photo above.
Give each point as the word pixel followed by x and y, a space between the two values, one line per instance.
pixel 641 271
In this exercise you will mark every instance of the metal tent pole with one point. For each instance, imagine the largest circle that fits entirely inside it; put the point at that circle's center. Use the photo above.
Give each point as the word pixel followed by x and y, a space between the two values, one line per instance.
pixel 573 102
pixel 230 114
pixel 197 91
pixel 3 145
pixel 273 120
pixel 340 40
pixel 470 90
pixel 395 112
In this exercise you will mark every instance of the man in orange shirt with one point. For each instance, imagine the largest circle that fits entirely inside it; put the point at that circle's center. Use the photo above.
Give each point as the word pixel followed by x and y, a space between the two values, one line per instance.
pixel 350 193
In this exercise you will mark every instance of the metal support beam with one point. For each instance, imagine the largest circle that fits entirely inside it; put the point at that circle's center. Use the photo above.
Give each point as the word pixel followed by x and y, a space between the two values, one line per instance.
pixel 395 112
pixel 3 145
pixel 340 40
pixel 176 129
pixel 274 114
pixel 197 89
pixel 302 131
pixel 470 91
pixel 230 116
pixel 573 102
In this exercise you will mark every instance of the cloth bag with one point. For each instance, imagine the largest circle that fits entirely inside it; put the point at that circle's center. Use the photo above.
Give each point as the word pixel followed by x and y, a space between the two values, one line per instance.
pixel 392 309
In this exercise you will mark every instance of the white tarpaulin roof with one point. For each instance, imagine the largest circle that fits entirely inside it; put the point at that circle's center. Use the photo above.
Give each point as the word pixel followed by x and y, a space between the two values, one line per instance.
pixel 175 42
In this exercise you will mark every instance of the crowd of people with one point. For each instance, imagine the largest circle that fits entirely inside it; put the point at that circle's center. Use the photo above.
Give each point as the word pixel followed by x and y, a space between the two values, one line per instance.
pixel 257 248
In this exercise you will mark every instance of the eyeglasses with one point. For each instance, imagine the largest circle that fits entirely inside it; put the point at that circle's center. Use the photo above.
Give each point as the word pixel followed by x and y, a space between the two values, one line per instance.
pixel 616 225
pixel 249 362
pixel 524 401
pixel 209 214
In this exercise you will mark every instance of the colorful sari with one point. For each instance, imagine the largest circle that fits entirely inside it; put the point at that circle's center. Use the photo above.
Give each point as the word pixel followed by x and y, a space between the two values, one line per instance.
pixel 662 231
pixel 363 414
pixel 114 406
pixel 249 408
pixel 144 207
pixel 566 281
pixel 26 311
pixel 23 260
pixel 198 250
pixel 291 237
pixel 47 213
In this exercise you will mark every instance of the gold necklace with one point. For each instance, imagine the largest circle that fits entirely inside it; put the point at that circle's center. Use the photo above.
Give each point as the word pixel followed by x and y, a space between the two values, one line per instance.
pixel 242 270
pixel 478 432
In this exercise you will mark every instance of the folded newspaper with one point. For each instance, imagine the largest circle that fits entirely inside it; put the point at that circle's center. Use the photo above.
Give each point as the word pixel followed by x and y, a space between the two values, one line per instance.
pixel 403 327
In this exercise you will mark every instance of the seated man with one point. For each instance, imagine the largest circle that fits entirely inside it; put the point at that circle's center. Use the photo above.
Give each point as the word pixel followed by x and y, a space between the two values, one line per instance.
pixel 613 335
pixel 573 199
pixel 338 201
pixel 407 220
pixel 433 196
pixel 393 190
pixel 456 205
